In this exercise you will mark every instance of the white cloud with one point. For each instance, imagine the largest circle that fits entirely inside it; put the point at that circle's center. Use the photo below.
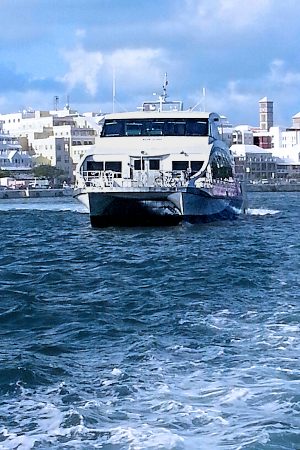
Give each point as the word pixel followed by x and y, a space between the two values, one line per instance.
pixel 229 14
pixel 80 33
pixel 85 67
pixel 280 75
pixel 139 66
pixel 135 68
pixel 2 101
pixel 231 98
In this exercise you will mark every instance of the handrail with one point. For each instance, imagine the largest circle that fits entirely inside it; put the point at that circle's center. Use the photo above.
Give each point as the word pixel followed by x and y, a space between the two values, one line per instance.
pixel 161 179
pixel 108 178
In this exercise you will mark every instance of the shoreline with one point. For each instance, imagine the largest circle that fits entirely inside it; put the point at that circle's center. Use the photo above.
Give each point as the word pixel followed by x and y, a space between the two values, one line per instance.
pixel 287 187
pixel 10 194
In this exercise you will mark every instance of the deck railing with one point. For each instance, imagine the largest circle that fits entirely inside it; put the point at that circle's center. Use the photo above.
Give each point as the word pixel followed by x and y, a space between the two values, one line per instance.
pixel 109 179
pixel 157 179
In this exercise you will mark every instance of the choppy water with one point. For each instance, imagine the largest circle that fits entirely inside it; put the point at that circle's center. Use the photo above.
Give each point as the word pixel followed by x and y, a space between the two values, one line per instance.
pixel 158 338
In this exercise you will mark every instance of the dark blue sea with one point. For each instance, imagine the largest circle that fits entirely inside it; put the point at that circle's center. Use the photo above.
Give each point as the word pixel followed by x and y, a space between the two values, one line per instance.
pixel 149 338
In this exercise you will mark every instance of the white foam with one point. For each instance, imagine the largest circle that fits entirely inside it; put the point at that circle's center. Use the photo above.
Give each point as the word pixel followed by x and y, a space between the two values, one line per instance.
pixel 261 212
pixel 146 437
pixel 47 204
pixel 235 394
pixel 49 424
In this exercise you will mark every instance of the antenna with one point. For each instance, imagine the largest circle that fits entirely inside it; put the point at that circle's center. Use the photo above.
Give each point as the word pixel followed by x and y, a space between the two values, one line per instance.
pixel 56 102
pixel 165 95
pixel 201 101
pixel 68 102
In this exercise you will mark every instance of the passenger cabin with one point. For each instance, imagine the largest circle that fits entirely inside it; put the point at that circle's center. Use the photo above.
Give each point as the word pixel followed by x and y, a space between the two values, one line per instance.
pixel 159 145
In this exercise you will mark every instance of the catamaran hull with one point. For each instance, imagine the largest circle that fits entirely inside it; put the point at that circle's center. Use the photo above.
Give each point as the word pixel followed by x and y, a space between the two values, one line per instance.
pixel 107 209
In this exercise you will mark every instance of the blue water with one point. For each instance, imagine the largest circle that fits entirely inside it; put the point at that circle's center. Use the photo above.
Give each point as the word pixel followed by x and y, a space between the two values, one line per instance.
pixel 158 338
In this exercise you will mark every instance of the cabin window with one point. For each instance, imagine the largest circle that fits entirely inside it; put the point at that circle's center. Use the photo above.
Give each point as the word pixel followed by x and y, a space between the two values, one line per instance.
pixel 133 129
pixel 180 165
pixel 114 128
pixel 156 127
pixel 196 128
pixel 154 164
pixel 175 128
pixel 94 165
pixel 137 164
pixel 196 166
pixel 115 166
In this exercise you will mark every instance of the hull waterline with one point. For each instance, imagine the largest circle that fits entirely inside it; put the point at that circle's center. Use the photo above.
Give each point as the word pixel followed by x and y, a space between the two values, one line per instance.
pixel 170 210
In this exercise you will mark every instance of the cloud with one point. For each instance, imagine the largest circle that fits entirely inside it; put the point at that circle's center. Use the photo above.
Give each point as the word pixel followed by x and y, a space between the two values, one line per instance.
pixel 142 66
pixel 80 33
pixel 280 75
pixel 239 98
pixel 2 101
pixel 84 69
pixel 225 14
pixel 135 67
pixel 231 100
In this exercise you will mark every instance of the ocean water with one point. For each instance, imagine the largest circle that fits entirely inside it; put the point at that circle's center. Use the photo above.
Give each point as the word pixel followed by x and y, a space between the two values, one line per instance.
pixel 149 338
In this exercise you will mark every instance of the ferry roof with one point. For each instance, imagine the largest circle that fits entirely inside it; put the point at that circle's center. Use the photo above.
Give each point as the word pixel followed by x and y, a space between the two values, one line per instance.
pixel 160 115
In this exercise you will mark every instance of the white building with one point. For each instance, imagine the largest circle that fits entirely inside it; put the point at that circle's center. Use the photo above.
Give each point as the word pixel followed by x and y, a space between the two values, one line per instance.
pixel 58 138
pixel 254 163
pixel 12 157
pixel 242 134
pixel 296 120
pixel 286 143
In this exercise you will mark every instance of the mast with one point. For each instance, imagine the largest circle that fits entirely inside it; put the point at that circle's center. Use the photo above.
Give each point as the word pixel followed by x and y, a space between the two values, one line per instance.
pixel 162 98
pixel 165 95
pixel 204 98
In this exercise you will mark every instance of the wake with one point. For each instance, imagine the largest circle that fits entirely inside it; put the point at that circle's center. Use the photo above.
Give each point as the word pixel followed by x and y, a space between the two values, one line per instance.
pixel 261 212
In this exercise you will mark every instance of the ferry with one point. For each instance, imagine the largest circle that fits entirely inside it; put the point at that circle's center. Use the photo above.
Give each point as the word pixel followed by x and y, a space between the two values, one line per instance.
pixel 160 165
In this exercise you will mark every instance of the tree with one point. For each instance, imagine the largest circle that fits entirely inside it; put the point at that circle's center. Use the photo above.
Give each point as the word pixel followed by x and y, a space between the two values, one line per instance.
pixel 4 173
pixel 46 171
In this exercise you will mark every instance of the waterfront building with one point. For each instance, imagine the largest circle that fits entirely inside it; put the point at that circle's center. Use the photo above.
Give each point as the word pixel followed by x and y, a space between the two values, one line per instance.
pixel 12 156
pixel 226 130
pixel 254 164
pixel 296 121
pixel 288 170
pixel 58 137
pixel 286 147
pixel 242 134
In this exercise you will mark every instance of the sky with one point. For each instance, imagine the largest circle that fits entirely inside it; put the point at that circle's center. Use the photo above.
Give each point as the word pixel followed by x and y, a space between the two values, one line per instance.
pixel 234 51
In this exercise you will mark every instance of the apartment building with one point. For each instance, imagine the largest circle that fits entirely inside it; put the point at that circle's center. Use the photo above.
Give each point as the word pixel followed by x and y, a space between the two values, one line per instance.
pixel 58 138
pixel 12 156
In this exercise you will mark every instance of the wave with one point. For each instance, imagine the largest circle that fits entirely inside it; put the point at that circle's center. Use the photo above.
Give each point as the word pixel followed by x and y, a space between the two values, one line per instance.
pixel 261 212
pixel 50 204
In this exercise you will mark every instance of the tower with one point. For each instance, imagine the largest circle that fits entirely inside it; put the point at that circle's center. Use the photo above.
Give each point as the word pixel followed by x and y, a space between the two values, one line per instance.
pixel 265 114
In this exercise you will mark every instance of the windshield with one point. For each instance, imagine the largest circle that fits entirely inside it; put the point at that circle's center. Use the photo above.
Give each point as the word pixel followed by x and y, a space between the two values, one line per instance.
pixel 155 127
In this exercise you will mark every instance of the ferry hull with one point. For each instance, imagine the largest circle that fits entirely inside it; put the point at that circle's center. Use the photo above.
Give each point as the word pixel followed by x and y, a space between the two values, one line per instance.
pixel 169 209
